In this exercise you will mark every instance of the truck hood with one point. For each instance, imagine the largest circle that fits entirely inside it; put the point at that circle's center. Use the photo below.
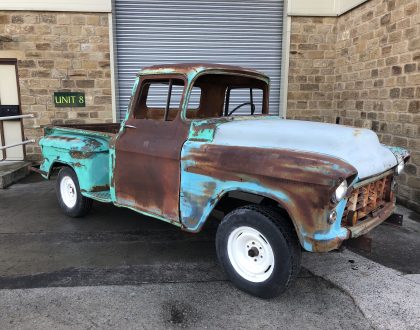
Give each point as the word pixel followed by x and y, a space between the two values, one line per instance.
pixel 358 147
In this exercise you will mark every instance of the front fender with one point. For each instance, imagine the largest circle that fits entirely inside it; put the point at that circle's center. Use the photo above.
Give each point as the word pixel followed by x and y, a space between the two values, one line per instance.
pixel 302 183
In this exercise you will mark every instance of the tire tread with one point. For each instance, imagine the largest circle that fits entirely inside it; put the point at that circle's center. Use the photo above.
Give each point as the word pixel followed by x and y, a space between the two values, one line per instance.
pixel 83 205
pixel 287 230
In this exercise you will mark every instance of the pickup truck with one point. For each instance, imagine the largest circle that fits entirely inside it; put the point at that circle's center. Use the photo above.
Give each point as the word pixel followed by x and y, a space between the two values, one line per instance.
pixel 198 138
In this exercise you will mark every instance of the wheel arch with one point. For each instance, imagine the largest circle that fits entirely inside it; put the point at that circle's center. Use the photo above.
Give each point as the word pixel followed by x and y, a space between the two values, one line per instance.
pixel 56 165
pixel 226 199
pixel 91 173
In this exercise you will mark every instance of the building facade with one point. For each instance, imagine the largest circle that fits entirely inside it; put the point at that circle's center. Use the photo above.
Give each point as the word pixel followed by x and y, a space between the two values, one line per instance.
pixel 353 62
pixel 362 69
pixel 58 51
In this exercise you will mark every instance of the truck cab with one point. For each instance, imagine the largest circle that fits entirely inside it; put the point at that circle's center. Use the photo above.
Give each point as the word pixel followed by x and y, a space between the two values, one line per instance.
pixel 199 137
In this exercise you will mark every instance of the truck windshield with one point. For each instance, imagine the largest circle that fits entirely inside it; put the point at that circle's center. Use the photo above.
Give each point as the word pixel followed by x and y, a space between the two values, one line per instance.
pixel 223 95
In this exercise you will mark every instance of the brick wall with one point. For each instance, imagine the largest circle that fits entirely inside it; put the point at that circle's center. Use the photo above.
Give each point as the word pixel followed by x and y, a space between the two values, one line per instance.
pixel 374 53
pixel 61 52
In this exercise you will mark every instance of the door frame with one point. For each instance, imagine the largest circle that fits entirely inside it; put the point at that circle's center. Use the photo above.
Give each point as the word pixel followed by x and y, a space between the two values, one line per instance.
pixel 130 116
pixel 13 61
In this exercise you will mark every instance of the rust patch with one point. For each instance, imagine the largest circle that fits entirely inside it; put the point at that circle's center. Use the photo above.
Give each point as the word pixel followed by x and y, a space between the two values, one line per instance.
pixel 99 188
pixel 147 166
pixel 62 138
pixel 326 245
pixel 366 199
pixel 286 165
pixel 195 68
pixel 307 180
pixel 100 127
pixel 80 154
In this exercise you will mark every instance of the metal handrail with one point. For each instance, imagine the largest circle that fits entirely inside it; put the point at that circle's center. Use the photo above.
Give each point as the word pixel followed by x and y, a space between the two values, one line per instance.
pixel 17 117
pixel 17 144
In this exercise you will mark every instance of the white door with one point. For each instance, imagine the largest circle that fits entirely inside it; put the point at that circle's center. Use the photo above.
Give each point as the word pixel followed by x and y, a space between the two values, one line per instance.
pixel 10 130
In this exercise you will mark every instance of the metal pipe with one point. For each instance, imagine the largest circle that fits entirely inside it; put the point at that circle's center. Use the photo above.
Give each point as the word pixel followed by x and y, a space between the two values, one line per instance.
pixel 17 117
pixel 17 144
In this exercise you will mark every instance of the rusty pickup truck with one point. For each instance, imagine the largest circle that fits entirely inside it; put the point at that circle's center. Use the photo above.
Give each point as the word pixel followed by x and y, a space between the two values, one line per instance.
pixel 198 138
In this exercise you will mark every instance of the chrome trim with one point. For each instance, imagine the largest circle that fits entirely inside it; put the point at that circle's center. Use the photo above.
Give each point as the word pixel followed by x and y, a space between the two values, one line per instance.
pixel 373 179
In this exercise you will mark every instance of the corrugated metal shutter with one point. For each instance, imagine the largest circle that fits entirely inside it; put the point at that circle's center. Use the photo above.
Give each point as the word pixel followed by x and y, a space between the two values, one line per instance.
pixel 238 32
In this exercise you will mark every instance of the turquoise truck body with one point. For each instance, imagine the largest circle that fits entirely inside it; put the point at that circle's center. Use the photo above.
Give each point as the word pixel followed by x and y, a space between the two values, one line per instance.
pixel 296 165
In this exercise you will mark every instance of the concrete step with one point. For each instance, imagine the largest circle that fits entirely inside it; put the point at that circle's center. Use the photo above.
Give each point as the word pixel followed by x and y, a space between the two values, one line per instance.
pixel 12 171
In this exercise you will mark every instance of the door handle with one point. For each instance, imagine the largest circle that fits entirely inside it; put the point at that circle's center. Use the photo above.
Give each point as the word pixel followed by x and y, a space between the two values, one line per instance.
pixel 129 126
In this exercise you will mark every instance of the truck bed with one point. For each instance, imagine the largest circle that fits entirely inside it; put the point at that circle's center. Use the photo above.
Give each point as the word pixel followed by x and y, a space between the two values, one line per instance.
pixel 85 149
pixel 112 128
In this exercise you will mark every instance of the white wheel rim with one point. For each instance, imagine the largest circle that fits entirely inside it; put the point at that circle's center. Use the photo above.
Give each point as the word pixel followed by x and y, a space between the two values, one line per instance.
pixel 68 191
pixel 250 254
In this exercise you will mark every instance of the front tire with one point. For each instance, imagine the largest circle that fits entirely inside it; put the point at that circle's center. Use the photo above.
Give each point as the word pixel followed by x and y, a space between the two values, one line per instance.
pixel 70 199
pixel 259 250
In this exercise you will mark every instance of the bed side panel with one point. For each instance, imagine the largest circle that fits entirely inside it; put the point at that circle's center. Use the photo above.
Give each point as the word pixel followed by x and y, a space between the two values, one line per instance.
pixel 87 155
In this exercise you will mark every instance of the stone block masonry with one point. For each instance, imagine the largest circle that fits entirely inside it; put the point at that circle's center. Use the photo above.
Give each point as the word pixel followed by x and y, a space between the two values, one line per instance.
pixel 363 69
pixel 61 52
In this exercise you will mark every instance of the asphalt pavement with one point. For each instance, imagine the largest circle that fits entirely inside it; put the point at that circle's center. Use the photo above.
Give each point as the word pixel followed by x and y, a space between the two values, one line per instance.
pixel 118 269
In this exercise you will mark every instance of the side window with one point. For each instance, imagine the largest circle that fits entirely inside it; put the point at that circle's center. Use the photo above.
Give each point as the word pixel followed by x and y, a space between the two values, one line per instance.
pixel 243 101
pixel 159 99
pixel 194 102
pixel 195 97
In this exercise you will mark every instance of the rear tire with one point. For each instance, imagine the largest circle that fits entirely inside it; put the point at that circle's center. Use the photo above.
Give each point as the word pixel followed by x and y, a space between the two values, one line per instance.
pixel 71 201
pixel 259 250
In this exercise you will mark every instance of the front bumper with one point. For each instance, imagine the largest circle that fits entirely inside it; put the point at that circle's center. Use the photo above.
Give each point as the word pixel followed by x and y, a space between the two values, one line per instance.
pixel 376 219
pixel 334 239
pixel 368 204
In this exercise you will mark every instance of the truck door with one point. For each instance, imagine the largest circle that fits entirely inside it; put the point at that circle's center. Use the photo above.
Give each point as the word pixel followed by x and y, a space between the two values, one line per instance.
pixel 147 151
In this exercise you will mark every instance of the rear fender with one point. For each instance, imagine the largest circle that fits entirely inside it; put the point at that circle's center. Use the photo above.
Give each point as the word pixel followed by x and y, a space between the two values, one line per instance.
pixel 87 156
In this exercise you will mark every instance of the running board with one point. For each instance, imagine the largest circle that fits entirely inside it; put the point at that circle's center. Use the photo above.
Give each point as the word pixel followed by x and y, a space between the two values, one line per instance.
pixel 101 196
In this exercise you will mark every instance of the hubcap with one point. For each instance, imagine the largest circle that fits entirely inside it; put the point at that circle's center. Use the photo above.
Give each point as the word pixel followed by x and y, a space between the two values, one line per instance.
pixel 250 254
pixel 68 191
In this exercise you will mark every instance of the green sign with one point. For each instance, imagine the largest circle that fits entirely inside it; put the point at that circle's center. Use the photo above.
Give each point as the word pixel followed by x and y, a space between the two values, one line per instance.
pixel 69 99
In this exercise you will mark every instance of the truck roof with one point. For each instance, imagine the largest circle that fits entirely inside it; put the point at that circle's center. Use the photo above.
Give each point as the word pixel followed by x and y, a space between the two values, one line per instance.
pixel 193 69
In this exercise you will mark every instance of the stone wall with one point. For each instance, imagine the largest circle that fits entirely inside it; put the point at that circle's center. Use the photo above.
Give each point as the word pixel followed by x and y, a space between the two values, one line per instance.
pixel 312 69
pixel 374 53
pixel 60 52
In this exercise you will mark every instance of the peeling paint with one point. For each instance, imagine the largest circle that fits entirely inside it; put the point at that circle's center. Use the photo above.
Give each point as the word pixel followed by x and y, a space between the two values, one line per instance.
pixel 177 171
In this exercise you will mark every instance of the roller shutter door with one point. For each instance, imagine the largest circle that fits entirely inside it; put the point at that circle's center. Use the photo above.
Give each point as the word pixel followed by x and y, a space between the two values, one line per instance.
pixel 245 33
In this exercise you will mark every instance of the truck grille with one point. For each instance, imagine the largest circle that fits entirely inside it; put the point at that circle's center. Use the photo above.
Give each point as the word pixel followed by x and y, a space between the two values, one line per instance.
pixel 367 198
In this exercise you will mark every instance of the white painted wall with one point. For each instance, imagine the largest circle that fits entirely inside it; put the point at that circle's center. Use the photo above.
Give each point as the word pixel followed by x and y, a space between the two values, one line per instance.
pixel 321 7
pixel 93 6
pixel 346 5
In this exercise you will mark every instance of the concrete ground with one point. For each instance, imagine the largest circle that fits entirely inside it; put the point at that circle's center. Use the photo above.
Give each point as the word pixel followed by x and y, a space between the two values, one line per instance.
pixel 118 269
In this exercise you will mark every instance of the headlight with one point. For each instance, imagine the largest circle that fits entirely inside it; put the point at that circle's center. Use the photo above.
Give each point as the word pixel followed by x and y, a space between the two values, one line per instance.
pixel 400 167
pixel 340 192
